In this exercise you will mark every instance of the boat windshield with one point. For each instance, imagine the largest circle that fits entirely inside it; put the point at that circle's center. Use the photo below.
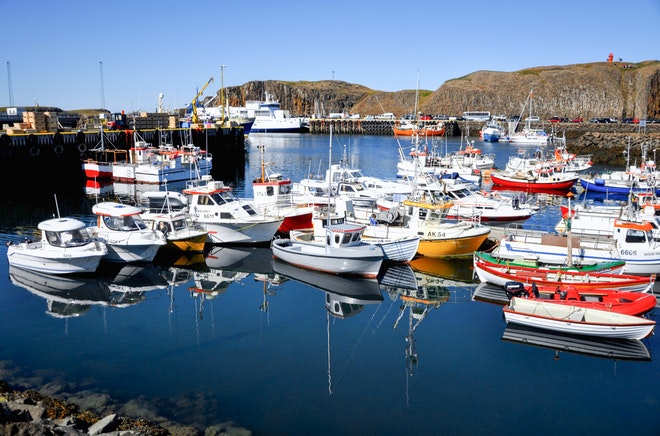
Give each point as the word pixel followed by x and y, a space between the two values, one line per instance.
pixel 125 223
pixel 223 197
pixel 72 238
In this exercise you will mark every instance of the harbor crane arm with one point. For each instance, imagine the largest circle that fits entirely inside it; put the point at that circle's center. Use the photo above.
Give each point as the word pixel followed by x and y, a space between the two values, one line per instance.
pixel 195 119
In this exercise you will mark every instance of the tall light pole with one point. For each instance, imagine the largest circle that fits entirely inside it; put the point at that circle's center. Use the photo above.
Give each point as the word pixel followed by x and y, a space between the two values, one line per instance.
pixel 102 90
pixel 11 87
pixel 222 90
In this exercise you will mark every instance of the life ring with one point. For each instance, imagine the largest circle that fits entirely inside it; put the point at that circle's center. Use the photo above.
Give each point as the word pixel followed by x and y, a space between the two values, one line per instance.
pixel 59 150
pixel 82 148
pixel 35 151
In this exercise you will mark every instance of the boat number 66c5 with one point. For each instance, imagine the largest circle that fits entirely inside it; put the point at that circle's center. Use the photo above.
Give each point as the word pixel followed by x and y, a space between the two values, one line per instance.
pixel 629 252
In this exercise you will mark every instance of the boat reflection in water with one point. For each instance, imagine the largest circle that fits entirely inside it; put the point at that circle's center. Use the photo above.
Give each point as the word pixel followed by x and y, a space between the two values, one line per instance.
pixel 226 265
pixel 345 296
pixel 490 293
pixel 75 295
pixel 609 348
pixel 419 294
pixel 457 269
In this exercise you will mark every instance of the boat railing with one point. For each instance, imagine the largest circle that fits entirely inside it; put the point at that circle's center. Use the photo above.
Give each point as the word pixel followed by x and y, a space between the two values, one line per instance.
pixel 535 233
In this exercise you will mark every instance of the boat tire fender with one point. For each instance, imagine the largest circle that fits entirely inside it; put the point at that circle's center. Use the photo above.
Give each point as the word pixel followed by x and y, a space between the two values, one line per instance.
pixel 35 151
pixel 82 148
pixel 391 216
pixel 59 150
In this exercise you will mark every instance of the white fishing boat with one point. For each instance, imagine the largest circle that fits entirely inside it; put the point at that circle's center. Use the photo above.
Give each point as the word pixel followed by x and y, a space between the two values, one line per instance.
pixel 128 237
pixel 632 242
pixel 165 163
pixel 341 252
pixel 227 219
pixel 576 320
pixel 273 196
pixel 65 247
pixel 528 135
pixel 402 248
pixel 270 117
pixel 100 159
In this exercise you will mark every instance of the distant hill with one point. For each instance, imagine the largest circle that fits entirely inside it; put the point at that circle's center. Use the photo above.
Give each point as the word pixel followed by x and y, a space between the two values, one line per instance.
pixel 599 89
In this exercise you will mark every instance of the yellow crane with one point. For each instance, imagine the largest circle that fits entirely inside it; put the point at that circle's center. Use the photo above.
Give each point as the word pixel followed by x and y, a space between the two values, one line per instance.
pixel 194 118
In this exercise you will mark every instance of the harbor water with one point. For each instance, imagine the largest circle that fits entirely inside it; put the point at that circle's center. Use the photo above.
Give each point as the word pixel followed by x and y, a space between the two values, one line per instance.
pixel 236 337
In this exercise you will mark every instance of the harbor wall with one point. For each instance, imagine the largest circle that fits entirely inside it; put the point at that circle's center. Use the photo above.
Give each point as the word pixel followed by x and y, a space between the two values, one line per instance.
pixel 53 161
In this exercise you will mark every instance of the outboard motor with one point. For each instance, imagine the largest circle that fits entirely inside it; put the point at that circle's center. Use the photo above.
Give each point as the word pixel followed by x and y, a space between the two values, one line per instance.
pixel 514 289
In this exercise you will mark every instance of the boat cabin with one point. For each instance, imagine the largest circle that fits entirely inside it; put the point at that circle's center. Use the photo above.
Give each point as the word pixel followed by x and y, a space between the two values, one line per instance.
pixel 344 235
pixel 64 232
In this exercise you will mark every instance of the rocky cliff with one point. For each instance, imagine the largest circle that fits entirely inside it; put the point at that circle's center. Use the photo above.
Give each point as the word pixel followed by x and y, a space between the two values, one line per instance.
pixel 599 89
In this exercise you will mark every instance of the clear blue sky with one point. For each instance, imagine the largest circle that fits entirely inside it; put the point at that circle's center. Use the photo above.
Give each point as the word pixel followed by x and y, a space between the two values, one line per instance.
pixel 52 50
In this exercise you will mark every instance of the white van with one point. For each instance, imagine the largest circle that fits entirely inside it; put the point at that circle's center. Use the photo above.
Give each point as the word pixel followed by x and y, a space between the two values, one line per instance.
pixel 386 116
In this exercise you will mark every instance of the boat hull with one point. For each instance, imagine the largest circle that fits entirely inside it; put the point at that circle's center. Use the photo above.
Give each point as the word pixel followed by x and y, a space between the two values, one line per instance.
pixel 612 189
pixel 397 250
pixel 499 274
pixel 576 320
pixel 241 233
pixel 637 262
pixel 533 185
pixel 453 247
pixel 365 262
pixel 30 256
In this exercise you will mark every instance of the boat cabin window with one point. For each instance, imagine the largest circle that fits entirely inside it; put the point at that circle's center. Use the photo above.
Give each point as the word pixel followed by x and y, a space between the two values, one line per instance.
pixel 125 223
pixel 164 227
pixel 285 189
pixel 179 224
pixel 247 208
pixel 269 191
pixel 69 238
pixel 635 236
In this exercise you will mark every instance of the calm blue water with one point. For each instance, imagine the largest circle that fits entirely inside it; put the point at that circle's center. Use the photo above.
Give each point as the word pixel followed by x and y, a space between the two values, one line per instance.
pixel 233 340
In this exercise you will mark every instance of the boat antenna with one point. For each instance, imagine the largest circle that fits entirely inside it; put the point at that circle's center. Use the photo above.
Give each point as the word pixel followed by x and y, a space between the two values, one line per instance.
pixel 57 207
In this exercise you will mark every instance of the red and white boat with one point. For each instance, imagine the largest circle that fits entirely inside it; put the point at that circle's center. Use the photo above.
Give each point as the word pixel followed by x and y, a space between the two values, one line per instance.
pixel 273 195
pixel 410 129
pixel 99 160
pixel 577 320
pixel 611 300
pixel 492 271
pixel 538 180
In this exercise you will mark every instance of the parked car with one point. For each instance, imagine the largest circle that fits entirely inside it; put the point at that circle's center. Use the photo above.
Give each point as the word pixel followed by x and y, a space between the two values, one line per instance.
pixel 554 120
pixel 594 120
pixel 577 120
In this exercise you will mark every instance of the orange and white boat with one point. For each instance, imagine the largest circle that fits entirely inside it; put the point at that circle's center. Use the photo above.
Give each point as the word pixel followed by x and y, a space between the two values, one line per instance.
pixel 410 129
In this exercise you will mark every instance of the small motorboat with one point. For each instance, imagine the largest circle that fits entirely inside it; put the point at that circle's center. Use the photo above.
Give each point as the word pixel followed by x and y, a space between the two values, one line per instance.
pixel 127 236
pixel 177 226
pixel 612 300
pixel 65 247
pixel 341 252
pixel 577 320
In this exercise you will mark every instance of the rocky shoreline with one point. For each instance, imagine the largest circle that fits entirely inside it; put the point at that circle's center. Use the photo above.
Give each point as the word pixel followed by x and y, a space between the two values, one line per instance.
pixel 57 409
